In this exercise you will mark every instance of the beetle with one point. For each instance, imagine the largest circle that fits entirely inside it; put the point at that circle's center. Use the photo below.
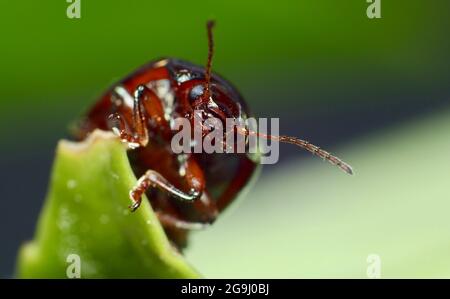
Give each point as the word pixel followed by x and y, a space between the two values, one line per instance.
pixel 187 191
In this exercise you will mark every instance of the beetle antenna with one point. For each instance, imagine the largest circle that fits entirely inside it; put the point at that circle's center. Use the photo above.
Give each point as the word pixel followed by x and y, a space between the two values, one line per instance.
pixel 209 26
pixel 314 149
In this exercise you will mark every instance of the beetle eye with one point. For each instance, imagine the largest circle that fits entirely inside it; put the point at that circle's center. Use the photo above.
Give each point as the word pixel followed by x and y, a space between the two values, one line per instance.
pixel 195 93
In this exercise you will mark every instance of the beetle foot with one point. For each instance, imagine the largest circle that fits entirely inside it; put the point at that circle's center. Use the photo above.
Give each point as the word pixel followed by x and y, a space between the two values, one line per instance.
pixel 136 199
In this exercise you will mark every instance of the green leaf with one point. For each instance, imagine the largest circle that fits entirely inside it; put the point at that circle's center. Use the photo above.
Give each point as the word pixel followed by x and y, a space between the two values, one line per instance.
pixel 86 213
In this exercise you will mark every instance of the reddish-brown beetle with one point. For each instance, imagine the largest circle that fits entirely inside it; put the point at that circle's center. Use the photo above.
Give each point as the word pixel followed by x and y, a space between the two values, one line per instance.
pixel 187 191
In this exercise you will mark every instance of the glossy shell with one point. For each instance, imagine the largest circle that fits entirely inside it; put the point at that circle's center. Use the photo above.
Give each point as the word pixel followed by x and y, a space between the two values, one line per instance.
pixel 223 175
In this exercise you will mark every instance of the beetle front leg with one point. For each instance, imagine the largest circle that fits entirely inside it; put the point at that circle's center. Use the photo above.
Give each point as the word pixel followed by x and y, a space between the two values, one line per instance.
pixel 152 179
pixel 135 135
pixel 121 130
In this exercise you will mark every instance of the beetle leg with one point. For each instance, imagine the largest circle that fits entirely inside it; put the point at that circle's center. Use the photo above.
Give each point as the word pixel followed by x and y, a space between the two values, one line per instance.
pixel 147 110
pixel 138 135
pixel 176 224
pixel 168 220
pixel 122 131
pixel 139 118
pixel 154 109
pixel 153 179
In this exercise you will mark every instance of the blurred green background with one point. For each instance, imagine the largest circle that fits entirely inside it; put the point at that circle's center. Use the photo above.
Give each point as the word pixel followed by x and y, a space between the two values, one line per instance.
pixel 375 92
